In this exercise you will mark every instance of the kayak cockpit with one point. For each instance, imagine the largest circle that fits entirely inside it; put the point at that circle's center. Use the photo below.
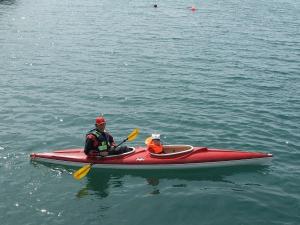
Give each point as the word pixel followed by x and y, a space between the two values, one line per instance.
pixel 132 150
pixel 172 150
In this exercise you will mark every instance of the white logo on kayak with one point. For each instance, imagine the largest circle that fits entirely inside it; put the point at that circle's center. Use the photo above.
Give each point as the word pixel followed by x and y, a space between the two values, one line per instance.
pixel 140 159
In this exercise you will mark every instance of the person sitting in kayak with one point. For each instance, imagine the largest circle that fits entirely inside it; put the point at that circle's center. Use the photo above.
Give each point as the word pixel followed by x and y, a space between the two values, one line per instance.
pixel 101 143
pixel 154 144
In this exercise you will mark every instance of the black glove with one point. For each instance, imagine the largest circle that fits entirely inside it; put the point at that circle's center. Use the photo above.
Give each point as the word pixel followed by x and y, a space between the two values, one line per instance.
pixel 112 148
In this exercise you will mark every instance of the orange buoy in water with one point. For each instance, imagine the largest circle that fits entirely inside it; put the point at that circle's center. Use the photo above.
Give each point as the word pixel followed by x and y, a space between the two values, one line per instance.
pixel 193 8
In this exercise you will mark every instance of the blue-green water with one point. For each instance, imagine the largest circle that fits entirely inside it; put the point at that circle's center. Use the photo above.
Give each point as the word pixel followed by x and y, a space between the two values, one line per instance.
pixel 225 76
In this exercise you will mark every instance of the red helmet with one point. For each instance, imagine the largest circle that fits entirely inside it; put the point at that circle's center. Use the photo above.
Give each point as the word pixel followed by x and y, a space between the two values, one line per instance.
pixel 100 120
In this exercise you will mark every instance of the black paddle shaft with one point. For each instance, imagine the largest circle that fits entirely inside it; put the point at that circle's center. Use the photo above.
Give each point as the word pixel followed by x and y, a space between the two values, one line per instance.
pixel 122 142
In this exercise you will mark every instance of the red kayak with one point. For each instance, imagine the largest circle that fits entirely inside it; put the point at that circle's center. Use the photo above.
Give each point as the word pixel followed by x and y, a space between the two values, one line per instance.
pixel 174 157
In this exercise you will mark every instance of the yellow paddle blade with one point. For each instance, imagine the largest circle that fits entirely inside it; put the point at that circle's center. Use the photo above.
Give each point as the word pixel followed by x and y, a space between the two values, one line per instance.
pixel 148 140
pixel 133 134
pixel 82 172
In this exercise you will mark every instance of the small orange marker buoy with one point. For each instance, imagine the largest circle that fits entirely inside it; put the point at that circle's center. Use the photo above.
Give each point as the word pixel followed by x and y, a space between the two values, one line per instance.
pixel 193 8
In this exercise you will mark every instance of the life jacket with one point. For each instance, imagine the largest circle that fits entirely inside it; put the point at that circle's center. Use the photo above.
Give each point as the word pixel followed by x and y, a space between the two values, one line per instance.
pixel 102 138
pixel 155 148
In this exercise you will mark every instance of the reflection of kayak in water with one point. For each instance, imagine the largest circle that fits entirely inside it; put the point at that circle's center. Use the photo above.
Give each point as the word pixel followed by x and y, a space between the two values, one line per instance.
pixel 174 157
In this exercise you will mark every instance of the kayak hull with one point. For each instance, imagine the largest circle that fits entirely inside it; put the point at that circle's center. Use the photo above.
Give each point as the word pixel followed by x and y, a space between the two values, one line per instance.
pixel 257 161
pixel 140 159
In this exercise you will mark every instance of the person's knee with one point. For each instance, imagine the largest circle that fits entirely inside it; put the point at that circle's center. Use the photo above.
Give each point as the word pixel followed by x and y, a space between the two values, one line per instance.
pixel 123 149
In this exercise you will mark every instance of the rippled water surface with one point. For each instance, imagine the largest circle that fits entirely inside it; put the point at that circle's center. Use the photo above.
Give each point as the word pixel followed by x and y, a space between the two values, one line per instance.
pixel 223 76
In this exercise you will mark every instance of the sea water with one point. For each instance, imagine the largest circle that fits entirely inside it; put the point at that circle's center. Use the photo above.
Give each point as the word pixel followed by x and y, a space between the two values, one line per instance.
pixel 225 75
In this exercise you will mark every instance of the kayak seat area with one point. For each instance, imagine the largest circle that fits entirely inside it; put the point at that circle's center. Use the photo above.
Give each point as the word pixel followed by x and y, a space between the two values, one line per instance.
pixel 132 150
pixel 170 150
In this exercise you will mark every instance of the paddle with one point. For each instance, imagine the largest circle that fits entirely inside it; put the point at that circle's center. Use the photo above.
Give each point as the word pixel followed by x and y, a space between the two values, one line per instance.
pixel 83 171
